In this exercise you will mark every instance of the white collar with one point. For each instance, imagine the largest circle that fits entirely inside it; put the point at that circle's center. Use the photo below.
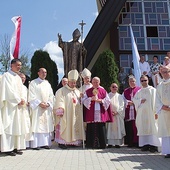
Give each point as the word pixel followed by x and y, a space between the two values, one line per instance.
pixel 40 80
pixel 166 81
pixel 69 87
pixel 12 72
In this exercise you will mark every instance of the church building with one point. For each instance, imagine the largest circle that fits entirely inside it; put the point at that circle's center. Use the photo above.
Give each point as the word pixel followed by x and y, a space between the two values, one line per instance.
pixel 150 20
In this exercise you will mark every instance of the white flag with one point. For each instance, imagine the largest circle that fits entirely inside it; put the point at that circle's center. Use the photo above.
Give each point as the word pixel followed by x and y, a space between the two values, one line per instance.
pixel 136 58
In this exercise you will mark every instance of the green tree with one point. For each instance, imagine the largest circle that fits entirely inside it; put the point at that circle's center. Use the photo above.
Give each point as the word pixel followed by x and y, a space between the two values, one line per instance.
pixel 106 69
pixel 5 53
pixel 42 59
pixel 5 56
pixel 25 65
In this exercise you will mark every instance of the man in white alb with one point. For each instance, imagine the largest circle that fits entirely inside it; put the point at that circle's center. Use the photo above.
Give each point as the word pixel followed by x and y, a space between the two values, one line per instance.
pixel 163 110
pixel 11 102
pixel 144 101
pixel 41 105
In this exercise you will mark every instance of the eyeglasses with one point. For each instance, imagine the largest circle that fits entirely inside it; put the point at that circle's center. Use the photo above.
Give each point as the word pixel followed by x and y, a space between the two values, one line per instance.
pixel 144 80
pixel 114 87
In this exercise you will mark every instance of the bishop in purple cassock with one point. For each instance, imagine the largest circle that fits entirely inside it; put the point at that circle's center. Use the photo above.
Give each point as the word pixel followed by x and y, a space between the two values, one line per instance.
pixel 97 112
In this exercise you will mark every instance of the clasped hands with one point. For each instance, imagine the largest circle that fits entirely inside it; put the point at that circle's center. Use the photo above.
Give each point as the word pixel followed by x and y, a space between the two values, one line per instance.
pixel 96 99
pixel 164 107
pixel 114 113
pixel 60 112
pixel 130 103
pixel 44 105
pixel 143 100
pixel 22 102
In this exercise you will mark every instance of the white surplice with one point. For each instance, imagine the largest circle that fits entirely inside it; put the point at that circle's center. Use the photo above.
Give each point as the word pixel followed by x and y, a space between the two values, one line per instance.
pixel 163 98
pixel 1 125
pixel 41 119
pixel 145 118
pixel 116 129
pixel 69 126
pixel 26 118
pixel 84 87
pixel 10 96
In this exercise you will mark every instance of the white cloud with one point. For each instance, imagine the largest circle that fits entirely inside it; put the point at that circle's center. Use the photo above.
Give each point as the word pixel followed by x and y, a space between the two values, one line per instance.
pixel 95 14
pixel 56 55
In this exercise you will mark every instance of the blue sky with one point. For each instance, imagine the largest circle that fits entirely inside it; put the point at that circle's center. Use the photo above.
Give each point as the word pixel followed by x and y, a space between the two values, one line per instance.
pixel 42 20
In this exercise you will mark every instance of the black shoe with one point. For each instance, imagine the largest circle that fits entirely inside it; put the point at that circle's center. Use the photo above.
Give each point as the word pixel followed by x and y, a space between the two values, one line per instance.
pixel 45 147
pixel 62 146
pixel 117 146
pixel 109 146
pixel 17 152
pixel 11 153
pixel 153 149
pixel 136 145
pixel 167 156
pixel 145 148
pixel 102 147
pixel 36 149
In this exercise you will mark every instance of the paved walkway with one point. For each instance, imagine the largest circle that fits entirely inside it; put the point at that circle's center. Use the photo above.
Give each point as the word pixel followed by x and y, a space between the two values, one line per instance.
pixel 85 159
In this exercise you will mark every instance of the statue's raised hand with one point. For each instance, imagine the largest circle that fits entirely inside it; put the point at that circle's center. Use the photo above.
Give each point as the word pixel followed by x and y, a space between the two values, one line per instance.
pixel 59 36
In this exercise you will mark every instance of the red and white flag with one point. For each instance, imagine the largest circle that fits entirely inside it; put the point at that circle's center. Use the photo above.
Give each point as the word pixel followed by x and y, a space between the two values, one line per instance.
pixel 15 40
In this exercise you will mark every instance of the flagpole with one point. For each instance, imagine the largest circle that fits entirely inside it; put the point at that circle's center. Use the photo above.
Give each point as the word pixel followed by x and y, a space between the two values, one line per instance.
pixel 81 81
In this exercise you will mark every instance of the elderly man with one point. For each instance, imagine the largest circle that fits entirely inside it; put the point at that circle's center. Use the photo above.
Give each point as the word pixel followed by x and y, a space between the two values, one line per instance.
pixel 131 138
pixel 41 105
pixel 97 113
pixel 11 102
pixel 69 118
pixel 116 129
pixel 163 110
pixel 144 101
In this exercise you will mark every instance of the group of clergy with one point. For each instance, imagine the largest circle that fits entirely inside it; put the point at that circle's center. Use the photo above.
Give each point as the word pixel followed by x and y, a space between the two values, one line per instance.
pixel 81 114
pixel 26 115
pixel 147 114
pixel 88 116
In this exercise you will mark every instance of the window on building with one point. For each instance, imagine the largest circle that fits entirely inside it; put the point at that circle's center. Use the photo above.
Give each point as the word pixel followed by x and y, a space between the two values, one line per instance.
pixel 152 31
